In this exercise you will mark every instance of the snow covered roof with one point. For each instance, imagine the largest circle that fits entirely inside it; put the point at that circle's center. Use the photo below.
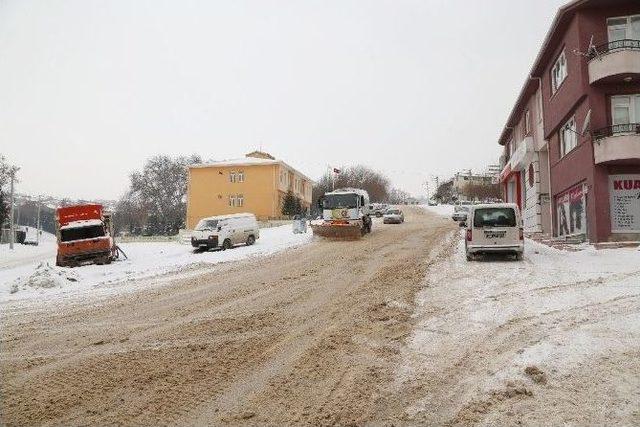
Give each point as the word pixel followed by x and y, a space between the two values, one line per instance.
pixel 82 223
pixel 248 161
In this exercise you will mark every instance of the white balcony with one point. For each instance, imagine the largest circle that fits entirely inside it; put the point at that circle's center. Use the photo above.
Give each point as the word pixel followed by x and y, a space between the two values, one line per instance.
pixel 617 144
pixel 615 62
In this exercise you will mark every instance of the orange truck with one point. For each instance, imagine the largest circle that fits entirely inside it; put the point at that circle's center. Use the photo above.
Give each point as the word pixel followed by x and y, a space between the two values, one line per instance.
pixel 85 235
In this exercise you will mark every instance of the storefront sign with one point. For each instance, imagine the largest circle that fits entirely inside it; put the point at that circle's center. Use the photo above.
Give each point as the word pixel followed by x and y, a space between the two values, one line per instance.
pixel 571 210
pixel 624 193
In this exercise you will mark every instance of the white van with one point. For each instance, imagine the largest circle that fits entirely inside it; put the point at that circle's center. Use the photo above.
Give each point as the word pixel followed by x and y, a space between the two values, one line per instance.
pixel 494 228
pixel 225 231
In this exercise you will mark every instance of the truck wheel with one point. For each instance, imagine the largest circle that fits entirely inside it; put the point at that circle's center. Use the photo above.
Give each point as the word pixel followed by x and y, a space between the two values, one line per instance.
pixel 251 240
pixel 519 256
pixel 226 244
pixel 469 257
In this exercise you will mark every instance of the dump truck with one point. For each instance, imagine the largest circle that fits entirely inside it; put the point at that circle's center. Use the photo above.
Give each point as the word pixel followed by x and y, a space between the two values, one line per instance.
pixel 345 214
pixel 85 236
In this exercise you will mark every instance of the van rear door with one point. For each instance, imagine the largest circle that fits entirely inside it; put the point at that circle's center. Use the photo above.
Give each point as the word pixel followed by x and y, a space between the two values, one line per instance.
pixel 495 226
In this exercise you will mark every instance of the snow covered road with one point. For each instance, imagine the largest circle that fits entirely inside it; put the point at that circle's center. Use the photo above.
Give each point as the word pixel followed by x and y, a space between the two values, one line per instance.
pixel 397 328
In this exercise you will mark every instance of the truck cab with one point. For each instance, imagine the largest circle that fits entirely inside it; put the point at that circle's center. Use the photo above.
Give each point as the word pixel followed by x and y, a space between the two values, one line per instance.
pixel 345 212
pixel 84 236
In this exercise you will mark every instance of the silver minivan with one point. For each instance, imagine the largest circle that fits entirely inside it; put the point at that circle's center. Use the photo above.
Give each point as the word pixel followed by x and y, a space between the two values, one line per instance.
pixel 225 231
pixel 494 228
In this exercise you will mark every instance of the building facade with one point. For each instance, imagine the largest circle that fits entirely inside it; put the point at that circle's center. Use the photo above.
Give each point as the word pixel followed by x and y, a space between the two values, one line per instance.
pixel 256 184
pixel 586 82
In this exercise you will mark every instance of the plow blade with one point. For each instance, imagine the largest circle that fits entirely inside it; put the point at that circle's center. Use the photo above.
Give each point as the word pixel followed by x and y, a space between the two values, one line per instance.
pixel 337 231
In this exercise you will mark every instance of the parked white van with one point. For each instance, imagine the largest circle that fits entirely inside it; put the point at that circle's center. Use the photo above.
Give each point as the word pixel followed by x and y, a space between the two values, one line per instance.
pixel 494 228
pixel 225 231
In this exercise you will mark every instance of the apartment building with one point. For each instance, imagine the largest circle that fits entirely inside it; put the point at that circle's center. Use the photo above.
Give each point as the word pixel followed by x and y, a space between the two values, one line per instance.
pixel 462 180
pixel 256 183
pixel 572 140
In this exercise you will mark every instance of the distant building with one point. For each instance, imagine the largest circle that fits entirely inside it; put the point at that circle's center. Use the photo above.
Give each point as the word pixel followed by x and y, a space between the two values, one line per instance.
pixel 256 183
pixel 572 140
pixel 462 180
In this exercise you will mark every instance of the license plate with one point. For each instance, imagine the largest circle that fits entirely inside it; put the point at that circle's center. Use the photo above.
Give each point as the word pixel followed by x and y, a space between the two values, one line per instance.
pixel 495 234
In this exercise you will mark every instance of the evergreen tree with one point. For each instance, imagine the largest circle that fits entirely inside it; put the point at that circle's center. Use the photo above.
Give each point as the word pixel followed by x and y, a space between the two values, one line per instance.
pixel 289 204
pixel 4 208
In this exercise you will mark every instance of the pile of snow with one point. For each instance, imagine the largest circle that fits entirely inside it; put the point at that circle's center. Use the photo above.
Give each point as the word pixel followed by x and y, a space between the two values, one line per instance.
pixel 45 277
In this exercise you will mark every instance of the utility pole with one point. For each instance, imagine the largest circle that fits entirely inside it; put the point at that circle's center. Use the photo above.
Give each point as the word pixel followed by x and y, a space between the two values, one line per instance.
pixel 38 226
pixel 12 231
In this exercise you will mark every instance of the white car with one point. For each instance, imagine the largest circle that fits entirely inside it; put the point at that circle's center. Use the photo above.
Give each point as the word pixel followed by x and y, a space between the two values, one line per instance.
pixel 393 216
pixel 460 212
pixel 494 228
pixel 225 231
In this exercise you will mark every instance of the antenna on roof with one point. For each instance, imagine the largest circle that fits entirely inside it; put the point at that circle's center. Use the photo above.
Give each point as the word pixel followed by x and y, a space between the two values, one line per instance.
pixel 590 50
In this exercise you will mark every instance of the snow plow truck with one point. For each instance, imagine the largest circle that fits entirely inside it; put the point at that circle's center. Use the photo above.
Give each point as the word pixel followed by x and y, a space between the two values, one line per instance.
pixel 85 235
pixel 345 214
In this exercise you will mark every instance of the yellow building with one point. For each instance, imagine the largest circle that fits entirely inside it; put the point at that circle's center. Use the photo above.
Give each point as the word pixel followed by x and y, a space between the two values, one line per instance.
pixel 256 183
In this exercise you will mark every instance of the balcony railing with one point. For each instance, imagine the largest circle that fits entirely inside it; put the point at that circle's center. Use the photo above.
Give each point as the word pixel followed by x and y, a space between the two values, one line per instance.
pixel 624 44
pixel 622 129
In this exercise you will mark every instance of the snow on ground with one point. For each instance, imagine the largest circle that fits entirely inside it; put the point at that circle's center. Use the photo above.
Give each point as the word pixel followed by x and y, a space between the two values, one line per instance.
pixel 489 324
pixel 30 272
pixel 442 210
pixel 25 254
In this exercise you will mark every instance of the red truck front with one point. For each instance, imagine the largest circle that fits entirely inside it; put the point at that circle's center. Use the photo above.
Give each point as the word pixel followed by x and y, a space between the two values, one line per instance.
pixel 83 236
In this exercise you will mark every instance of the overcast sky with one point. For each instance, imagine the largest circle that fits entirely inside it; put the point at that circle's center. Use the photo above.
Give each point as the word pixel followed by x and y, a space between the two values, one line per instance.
pixel 90 89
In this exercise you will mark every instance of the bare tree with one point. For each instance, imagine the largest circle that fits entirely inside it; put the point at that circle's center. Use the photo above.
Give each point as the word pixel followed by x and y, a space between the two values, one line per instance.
pixel 444 192
pixel 398 197
pixel 482 191
pixel 376 183
pixel 156 200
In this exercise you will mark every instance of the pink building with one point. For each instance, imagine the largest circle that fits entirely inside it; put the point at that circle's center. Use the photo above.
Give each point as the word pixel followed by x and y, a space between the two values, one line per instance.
pixel 572 140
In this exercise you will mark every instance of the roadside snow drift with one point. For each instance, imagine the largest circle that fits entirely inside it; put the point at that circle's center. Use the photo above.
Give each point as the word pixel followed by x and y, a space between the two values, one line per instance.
pixel 518 342
pixel 30 273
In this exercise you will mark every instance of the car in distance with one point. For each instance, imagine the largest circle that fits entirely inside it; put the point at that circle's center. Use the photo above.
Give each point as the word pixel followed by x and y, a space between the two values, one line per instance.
pixel 393 216
pixel 460 212
pixel 378 209
pixel 494 228
pixel 225 231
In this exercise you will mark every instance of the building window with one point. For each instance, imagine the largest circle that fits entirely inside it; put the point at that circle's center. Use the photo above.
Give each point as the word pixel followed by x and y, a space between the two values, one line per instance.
pixel 558 72
pixel 527 123
pixel 240 200
pixel 232 176
pixel 623 28
pixel 568 137
pixel 232 201
pixel 512 148
pixel 241 176
pixel 625 109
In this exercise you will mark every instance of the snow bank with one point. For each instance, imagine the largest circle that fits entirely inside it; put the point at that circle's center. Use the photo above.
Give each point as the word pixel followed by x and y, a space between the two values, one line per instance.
pixel 559 311
pixel 45 277
pixel 145 260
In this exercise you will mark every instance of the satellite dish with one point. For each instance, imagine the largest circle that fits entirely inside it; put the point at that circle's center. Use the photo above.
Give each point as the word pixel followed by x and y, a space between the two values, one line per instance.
pixel 587 122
